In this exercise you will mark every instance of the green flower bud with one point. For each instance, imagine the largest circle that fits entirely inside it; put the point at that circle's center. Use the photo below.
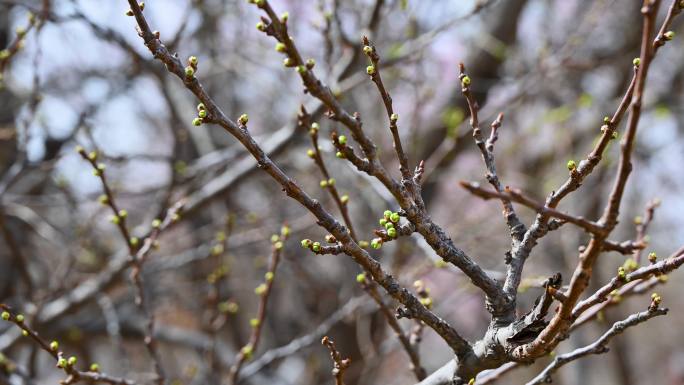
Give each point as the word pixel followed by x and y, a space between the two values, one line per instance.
pixel 394 217
pixel 72 361
pixel 189 71
pixel 285 231
pixel 323 183
pixel 342 140
pixel 243 119
pixel 275 238
pixel 440 263
pixel 301 69
pixel 248 350
pixel 261 26
pixel 197 122
pixel 572 166
pixel 278 245
pixel 621 273
pixel 310 153
pixel 201 107
pixel 54 345
pixel 20 318
pixel 280 47
pixel 269 276
pixel 367 49
pixel 389 225
pixel 217 250
pixel 202 113
pixel 287 62
pixel 115 219
pixel 315 127
pixel 363 244
pixel 94 367
pixel 99 169
pixel 123 213
pixel 344 199
pixel 636 61
pixel 134 241
pixel 6 315
pixel 669 35
pixel 376 243
pixel 361 278
pixel 228 307
pixel 261 289
pixel 103 199
pixel 392 232
pixel 25 333
pixel 192 60
pixel 370 70
pixel 316 246
pixel 61 363
pixel 310 63
pixel 630 265
pixel 254 322
pixel 652 257
pixel 465 81
pixel 156 223
pixel 606 119
pixel 306 243
pixel 387 214
pixel 427 302
pixel 284 17
pixel 655 297
pixel 340 155
pixel 382 222
pixel 331 182
pixel 394 117
pixel 92 155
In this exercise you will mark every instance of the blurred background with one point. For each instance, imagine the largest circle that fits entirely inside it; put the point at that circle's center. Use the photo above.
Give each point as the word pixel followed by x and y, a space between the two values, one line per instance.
pixel 84 77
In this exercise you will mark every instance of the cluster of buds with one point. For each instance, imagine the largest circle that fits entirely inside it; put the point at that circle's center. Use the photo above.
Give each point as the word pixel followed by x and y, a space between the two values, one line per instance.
pixel 656 299
pixel 388 221
pixel 607 121
pixel 191 68
pixel 229 307
pixel 311 245
pixel 423 293
pixel 218 273
pixel 342 142
pixel 119 217
pixel 369 51
pixel 327 183
pixel 202 114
